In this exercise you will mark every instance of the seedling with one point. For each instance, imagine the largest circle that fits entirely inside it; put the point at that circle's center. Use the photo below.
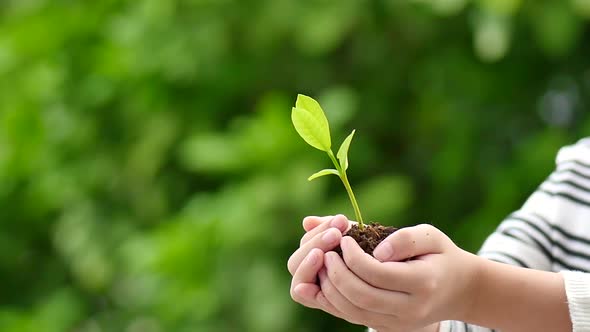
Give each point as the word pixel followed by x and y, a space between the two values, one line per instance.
pixel 312 125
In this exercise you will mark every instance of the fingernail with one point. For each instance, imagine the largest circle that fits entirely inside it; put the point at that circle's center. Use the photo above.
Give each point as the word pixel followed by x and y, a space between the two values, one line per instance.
pixel 383 252
pixel 312 258
pixel 339 223
pixel 299 290
pixel 331 236
pixel 344 243
pixel 328 259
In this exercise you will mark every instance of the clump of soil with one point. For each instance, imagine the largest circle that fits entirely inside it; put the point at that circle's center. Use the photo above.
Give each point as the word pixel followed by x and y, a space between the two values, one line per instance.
pixel 369 237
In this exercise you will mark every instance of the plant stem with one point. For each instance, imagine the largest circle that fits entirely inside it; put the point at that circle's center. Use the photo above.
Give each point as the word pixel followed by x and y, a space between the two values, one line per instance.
pixel 344 179
pixel 355 205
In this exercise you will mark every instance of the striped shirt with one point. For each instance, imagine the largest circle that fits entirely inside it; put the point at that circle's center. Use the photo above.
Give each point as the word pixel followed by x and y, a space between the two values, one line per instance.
pixel 551 232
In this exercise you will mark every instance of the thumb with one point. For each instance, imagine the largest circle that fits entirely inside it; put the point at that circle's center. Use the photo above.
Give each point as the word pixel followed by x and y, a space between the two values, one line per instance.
pixel 410 242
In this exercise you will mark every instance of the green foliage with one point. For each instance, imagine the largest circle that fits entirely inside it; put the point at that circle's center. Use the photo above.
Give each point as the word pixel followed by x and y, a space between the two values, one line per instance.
pixel 342 154
pixel 322 173
pixel 151 179
pixel 312 125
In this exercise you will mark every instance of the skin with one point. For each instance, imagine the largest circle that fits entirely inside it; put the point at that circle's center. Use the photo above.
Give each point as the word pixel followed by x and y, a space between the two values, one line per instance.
pixel 442 282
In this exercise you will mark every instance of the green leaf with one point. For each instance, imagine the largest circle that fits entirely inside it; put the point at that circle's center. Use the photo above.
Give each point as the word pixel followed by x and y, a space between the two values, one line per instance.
pixel 311 123
pixel 322 173
pixel 343 151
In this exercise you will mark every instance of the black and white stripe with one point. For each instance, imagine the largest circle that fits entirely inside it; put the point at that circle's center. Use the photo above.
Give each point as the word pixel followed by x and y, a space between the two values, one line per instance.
pixel 552 231
pixel 570 181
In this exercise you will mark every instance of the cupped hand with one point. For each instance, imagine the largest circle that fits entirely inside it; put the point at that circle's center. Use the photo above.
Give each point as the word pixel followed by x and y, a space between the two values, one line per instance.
pixel 418 277
pixel 325 235
pixel 364 293
pixel 322 235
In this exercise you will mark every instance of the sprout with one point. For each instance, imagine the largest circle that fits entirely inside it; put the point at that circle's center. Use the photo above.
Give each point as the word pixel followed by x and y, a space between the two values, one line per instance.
pixel 312 125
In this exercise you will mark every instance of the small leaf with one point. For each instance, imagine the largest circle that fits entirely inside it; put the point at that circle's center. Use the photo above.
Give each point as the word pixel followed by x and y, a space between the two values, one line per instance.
pixel 311 123
pixel 322 173
pixel 343 151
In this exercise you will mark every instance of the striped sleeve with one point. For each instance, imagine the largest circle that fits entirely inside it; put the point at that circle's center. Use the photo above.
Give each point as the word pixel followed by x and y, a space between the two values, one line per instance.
pixel 578 299
pixel 522 239
pixel 454 326
pixel 545 232
pixel 550 232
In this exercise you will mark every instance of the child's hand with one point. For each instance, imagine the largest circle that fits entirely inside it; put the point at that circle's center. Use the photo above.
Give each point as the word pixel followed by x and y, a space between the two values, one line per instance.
pixel 392 294
pixel 323 233
pixel 306 261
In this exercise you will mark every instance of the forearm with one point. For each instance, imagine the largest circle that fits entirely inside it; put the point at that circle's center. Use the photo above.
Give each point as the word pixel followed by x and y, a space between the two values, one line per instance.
pixel 517 299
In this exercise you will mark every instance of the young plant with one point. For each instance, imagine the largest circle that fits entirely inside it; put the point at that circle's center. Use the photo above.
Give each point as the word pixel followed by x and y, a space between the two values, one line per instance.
pixel 312 125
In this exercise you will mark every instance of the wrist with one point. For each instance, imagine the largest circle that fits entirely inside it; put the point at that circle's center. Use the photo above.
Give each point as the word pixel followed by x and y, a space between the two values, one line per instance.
pixel 470 291
pixel 501 292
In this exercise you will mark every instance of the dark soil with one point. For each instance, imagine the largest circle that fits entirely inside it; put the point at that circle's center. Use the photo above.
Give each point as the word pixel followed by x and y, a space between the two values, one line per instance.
pixel 369 237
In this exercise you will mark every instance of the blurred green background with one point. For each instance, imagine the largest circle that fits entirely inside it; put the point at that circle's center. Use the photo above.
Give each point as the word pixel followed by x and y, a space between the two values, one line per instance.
pixel 151 180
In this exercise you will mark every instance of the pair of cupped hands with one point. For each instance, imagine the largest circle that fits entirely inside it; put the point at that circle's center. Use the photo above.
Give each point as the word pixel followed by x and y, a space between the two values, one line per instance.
pixel 387 291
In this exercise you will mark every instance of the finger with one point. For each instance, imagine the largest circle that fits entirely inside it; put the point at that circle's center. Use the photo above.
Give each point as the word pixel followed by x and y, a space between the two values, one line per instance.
pixel 304 288
pixel 307 271
pixel 303 285
pixel 350 311
pixel 358 291
pixel 395 276
pixel 325 241
pixel 327 306
pixel 410 242
pixel 313 297
pixel 305 294
pixel 339 221
pixel 311 222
